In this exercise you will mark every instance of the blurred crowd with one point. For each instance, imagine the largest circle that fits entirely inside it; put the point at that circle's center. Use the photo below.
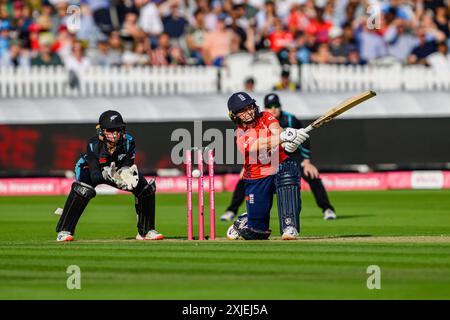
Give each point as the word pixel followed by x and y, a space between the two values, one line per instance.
pixel 79 34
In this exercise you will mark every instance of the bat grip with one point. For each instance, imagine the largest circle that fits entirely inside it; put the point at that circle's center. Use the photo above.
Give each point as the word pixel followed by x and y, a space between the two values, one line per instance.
pixel 308 128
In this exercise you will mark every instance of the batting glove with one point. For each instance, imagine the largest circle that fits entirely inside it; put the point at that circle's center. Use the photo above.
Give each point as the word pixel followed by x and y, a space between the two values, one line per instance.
pixel 289 146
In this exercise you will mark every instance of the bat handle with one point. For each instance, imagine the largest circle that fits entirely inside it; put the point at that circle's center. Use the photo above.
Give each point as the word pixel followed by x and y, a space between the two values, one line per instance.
pixel 308 128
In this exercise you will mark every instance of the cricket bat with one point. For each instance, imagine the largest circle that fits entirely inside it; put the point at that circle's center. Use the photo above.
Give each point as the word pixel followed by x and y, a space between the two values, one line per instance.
pixel 341 108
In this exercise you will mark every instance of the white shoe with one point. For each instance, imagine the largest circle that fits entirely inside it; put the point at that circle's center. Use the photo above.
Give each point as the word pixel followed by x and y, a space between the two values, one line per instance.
pixel 232 233
pixel 151 235
pixel 227 216
pixel 329 215
pixel 289 233
pixel 64 236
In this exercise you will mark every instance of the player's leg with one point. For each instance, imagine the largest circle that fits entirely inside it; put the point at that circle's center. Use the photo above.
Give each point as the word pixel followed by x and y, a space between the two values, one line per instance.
pixel 145 203
pixel 259 200
pixel 236 201
pixel 321 196
pixel 80 194
pixel 287 183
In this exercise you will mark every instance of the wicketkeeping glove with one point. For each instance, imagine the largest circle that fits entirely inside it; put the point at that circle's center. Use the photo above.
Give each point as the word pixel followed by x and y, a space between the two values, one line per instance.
pixel 129 176
pixel 110 173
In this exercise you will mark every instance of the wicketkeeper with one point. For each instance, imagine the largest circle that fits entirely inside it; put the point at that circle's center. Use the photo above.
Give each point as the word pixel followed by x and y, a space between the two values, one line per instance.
pixel 309 172
pixel 267 170
pixel 109 160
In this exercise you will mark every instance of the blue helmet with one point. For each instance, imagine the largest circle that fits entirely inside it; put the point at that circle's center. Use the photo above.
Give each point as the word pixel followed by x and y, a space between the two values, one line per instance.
pixel 239 101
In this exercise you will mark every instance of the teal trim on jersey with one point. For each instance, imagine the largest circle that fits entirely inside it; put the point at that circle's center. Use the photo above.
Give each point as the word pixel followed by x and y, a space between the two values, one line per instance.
pixel 290 115
pixel 78 167
pixel 128 138
pixel 91 146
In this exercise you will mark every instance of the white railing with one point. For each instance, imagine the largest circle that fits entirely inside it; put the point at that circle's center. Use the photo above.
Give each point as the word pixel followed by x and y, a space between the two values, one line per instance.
pixel 393 78
pixel 47 82
pixel 44 82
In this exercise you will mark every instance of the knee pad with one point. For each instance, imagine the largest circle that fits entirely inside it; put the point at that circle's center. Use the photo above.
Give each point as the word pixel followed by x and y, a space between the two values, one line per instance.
pixel 145 208
pixel 79 196
pixel 287 183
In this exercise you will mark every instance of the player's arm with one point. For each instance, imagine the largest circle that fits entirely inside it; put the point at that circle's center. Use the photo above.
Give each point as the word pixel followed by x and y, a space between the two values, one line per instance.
pixel 266 143
pixel 128 160
pixel 94 167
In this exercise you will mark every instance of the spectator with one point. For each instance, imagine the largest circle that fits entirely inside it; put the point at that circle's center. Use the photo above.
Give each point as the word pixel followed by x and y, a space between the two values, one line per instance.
pixel 104 56
pixel 131 32
pixel 319 27
pixel 174 23
pixel 441 20
pixel 218 44
pixel 102 14
pixel 280 38
pixel 338 48
pixel 16 56
pixel 196 37
pixel 115 47
pixel 137 57
pixel 77 61
pixel 265 18
pixel 285 82
pixel 166 53
pixel 426 46
pixel 353 57
pixel 371 43
pixel 46 57
pixel 440 60
pixel 400 40
pixel 4 36
pixel 323 55
pixel 149 18
pixel 249 84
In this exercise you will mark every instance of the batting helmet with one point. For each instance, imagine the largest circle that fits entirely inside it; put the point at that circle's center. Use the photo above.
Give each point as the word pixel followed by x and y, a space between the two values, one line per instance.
pixel 239 101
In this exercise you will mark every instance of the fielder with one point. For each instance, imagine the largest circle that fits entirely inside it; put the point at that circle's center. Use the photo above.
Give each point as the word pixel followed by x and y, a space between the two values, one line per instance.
pixel 267 170
pixel 309 172
pixel 109 160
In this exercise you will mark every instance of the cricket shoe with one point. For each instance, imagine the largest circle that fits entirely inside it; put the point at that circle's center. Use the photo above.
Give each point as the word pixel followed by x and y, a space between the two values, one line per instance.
pixel 289 233
pixel 329 215
pixel 64 236
pixel 227 216
pixel 151 235
pixel 232 233
pixel 240 223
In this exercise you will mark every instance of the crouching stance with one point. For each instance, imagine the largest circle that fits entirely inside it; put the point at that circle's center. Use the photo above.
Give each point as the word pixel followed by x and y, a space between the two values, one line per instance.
pixel 268 170
pixel 109 160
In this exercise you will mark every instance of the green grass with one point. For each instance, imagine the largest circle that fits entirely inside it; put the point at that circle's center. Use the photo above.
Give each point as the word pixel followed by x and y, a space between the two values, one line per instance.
pixel 33 265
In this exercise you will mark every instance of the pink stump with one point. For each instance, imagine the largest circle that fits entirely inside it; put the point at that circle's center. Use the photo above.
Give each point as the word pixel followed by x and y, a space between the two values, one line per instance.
pixel 212 210
pixel 201 220
pixel 189 192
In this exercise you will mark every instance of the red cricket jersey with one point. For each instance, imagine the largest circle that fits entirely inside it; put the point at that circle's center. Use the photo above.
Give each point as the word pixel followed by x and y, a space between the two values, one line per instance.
pixel 262 163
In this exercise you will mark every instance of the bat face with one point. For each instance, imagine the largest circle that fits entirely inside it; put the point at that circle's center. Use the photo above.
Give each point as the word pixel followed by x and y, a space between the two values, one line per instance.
pixel 342 107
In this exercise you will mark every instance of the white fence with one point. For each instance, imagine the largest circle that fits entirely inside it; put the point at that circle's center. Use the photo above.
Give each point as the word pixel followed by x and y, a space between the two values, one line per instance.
pixel 48 82
pixel 393 78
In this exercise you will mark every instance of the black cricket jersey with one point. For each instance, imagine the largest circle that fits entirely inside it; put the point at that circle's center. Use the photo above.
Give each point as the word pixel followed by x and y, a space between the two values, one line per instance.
pixel 288 120
pixel 97 157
